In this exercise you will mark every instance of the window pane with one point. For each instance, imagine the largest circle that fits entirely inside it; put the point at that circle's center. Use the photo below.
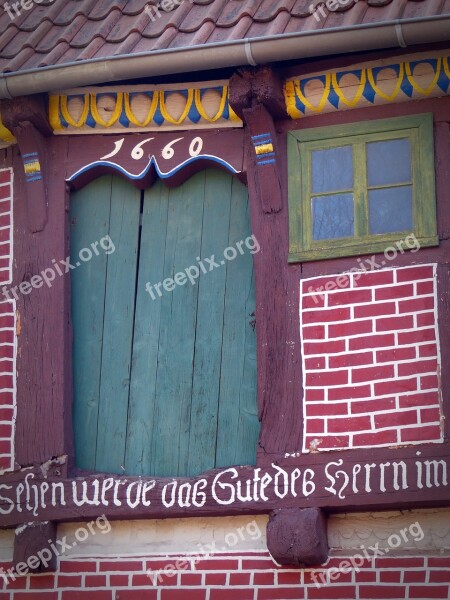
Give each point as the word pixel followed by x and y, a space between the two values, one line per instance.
pixel 391 210
pixel 389 162
pixel 332 170
pixel 333 217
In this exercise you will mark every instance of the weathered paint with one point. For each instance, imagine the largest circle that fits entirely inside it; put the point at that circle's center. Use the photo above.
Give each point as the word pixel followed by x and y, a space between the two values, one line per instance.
pixel 164 380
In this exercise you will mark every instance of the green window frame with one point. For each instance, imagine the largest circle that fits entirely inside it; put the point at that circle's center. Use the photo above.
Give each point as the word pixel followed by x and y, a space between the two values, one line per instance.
pixel 417 129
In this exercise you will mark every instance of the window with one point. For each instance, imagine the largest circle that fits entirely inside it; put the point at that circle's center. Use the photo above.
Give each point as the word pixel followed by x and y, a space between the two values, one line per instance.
pixel 355 189
pixel 164 381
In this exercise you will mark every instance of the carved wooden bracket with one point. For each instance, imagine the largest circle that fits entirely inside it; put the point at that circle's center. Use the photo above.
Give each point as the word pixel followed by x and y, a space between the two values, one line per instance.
pixel 27 119
pixel 250 87
pixel 298 536
pixel 33 552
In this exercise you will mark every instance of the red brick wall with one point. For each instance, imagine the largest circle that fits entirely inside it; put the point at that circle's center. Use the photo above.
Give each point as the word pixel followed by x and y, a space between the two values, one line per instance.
pixel 7 326
pixel 371 353
pixel 230 577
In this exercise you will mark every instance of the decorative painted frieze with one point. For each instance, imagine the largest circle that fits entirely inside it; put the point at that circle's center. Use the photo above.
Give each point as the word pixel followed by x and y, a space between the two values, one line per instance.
pixel 142 108
pixel 383 82
pixel 6 137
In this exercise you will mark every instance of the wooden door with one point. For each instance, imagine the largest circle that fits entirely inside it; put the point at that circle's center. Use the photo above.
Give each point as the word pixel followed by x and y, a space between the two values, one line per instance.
pixel 164 382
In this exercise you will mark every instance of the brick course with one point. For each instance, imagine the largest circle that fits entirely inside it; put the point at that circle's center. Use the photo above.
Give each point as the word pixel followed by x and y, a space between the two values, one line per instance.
pixel 233 577
pixel 370 344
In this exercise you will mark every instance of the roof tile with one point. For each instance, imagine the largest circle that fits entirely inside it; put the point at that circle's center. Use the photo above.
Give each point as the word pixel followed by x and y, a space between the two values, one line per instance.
pixel 234 10
pixel 201 14
pixel 162 20
pixel 135 7
pixel 103 29
pixel 269 9
pixel 70 9
pixel 56 33
pixel 103 7
pixel 301 9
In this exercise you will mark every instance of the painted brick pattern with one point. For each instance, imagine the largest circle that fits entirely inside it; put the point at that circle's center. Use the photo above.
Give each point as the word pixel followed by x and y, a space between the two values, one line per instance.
pixel 7 327
pixel 252 576
pixel 371 354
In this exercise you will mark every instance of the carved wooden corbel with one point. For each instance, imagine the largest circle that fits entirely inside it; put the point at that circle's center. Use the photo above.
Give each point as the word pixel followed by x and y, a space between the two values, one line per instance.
pixel 33 552
pixel 298 537
pixel 28 121
pixel 257 97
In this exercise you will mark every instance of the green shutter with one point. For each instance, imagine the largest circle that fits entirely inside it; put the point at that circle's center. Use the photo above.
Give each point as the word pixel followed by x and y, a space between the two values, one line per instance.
pixel 163 386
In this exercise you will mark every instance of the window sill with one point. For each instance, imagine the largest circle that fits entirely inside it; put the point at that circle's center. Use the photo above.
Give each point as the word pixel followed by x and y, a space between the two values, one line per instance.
pixel 360 248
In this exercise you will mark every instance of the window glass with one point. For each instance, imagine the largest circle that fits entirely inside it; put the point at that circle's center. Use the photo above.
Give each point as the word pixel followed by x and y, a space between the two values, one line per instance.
pixel 391 210
pixel 332 170
pixel 389 162
pixel 333 216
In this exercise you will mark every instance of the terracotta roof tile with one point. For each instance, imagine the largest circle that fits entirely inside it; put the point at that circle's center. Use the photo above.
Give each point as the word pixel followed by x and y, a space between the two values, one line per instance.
pixel 103 29
pixel 56 32
pixel 197 14
pixel 269 9
pixel 301 9
pixel 234 10
pixel 55 35
pixel 135 7
pixel 159 24
pixel 103 7
pixel 69 10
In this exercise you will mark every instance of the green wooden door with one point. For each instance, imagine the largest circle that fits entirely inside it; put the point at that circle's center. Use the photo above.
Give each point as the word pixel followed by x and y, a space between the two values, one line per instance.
pixel 164 382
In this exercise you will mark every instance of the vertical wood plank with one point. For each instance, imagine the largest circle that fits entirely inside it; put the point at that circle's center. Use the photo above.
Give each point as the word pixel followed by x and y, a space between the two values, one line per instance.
pixel 146 331
pixel 177 334
pixel 89 216
pixel 238 419
pixel 120 291
pixel 209 330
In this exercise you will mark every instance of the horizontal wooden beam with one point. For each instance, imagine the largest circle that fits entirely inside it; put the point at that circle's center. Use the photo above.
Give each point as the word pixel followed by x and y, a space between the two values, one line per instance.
pixel 413 77
pixel 376 479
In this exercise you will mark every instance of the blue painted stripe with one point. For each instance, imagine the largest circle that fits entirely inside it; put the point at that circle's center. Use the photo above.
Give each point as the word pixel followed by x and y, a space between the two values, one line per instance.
pixel 265 155
pixel 29 154
pixel 153 162
pixel 35 178
pixel 267 162
pixel 261 136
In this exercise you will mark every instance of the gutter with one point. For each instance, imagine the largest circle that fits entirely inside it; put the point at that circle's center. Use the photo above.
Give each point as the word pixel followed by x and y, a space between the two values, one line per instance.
pixel 249 51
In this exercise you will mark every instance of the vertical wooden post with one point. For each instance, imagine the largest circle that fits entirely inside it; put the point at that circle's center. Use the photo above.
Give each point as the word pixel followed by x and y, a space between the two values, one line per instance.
pixel 279 401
